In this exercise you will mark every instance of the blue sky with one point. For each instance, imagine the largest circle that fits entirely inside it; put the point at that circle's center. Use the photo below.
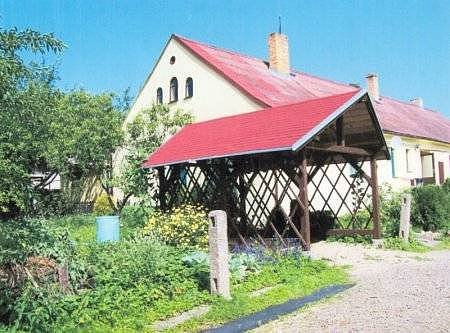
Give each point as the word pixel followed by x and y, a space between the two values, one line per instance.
pixel 113 45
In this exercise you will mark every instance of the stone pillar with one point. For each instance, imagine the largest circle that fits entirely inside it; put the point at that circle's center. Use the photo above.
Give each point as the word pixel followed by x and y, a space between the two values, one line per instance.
pixel 218 252
pixel 405 214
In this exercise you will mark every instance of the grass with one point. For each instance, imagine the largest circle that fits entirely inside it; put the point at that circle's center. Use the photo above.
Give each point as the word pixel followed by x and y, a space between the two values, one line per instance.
pixel 444 244
pixel 290 279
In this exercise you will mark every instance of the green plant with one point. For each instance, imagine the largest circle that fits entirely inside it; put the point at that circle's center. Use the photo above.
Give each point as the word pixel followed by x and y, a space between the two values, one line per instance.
pixel 135 216
pixel 431 209
pixel 353 239
pixel 185 226
pixel 396 243
pixel 359 221
pixel 390 211
pixel 102 205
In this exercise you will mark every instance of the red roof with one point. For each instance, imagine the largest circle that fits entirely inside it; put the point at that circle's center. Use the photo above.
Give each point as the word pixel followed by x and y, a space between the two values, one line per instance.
pixel 253 77
pixel 272 129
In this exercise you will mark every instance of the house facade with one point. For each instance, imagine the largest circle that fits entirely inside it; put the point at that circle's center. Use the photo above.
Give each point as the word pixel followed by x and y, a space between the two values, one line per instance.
pixel 210 82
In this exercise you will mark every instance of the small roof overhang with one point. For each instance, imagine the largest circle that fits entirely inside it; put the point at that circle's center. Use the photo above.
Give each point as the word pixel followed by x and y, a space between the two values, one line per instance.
pixel 285 128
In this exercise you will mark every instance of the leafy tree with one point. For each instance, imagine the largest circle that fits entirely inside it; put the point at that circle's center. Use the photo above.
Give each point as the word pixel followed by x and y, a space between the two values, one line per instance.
pixel 27 99
pixel 143 136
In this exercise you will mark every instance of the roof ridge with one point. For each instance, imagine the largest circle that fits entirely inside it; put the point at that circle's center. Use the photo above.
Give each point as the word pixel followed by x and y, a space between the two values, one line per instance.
pixel 410 104
pixel 220 48
pixel 274 107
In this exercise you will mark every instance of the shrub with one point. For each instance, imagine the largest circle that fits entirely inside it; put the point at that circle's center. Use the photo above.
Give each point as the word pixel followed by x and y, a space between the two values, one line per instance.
pixel 102 205
pixel 353 239
pixel 431 208
pixel 360 221
pixel 135 215
pixel 396 243
pixel 186 226
pixel 390 212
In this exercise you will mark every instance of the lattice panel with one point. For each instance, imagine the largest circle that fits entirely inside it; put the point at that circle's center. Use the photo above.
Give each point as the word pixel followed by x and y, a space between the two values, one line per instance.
pixel 343 191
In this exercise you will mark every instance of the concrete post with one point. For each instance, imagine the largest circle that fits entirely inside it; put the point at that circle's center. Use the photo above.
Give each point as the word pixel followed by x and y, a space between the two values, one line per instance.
pixel 405 214
pixel 218 252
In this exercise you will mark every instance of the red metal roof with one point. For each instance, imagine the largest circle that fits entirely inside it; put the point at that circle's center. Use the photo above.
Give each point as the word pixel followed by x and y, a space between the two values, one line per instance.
pixel 272 129
pixel 269 88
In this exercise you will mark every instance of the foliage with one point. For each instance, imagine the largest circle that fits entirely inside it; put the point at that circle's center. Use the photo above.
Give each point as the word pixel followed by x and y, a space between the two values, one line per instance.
pixel 135 215
pixel 289 277
pixel 396 243
pixel 354 239
pixel 444 243
pixel 102 206
pixel 359 221
pixel 431 209
pixel 185 226
pixel 26 106
pixel 390 211
pixel 143 135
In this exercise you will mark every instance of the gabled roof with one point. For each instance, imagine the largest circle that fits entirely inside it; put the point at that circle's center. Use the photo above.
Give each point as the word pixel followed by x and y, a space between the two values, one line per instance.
pixel 254 78
pixel 284 128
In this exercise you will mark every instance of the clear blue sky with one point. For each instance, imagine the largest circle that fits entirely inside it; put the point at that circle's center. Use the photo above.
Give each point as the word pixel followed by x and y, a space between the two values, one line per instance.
pixel 113 45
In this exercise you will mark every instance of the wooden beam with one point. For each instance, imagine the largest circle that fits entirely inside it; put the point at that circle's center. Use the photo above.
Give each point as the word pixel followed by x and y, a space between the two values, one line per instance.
pixel 162 189
pixel 340 138
pixel 375 199
pixel 350 232
pixel 342 150
pixel 303 195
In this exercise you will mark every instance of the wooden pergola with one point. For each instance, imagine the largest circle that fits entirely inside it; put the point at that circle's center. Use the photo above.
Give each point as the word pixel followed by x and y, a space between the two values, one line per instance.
pixel 275 170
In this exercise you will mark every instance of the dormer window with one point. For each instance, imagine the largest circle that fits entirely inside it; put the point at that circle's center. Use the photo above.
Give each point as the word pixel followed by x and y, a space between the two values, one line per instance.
pixel 189 88
pixel 159 96
pixel 174 90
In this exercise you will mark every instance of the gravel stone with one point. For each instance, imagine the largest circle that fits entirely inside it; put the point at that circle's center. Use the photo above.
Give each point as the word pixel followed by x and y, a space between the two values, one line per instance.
pixel 396 291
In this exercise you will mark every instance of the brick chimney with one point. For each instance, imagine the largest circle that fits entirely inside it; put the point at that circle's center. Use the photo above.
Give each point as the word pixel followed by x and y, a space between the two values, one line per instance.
pixel 279 53
pixel 417 101
pixel 372 86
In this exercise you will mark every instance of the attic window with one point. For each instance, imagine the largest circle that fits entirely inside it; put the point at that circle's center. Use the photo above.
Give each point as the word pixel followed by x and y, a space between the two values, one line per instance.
pixel 174 90
pixel 172 60
pixel 159 96
pixel 189 88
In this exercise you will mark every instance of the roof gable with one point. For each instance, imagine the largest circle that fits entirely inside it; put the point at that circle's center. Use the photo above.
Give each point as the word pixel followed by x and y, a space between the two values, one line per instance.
pixel 285 128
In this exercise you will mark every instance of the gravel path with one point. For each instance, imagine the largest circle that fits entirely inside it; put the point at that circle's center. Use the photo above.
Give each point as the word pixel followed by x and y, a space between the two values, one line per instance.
pixel 395 292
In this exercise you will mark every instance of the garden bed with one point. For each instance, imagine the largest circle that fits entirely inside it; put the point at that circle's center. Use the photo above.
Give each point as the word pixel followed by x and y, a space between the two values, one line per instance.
pixel 134 283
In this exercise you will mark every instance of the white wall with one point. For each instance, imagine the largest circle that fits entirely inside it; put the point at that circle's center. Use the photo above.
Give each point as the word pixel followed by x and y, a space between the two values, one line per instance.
pixel 213 95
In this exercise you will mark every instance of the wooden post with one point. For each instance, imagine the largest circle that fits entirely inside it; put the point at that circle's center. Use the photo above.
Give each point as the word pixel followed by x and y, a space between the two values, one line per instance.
pixel 405 213
pixel 162 189
pixel 340 139
pixel 375 199
pixel 304 217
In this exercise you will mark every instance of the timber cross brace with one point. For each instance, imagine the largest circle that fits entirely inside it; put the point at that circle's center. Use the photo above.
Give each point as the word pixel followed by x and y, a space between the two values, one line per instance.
pixel 272 198
pixel 284 175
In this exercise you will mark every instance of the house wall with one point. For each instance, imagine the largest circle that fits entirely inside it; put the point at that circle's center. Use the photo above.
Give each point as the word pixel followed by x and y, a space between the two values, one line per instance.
pixel 418 166
pixel 213 95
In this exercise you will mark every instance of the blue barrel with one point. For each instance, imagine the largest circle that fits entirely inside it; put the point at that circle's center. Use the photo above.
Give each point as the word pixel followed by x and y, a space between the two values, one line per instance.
pixel 108 228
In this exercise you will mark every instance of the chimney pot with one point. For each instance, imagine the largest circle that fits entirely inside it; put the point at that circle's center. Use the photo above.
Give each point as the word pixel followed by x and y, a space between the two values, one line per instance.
pixel 279 53
pixel 372 86
pixel 417 101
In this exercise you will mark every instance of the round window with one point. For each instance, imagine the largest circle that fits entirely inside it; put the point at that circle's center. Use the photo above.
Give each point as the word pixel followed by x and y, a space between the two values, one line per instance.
pixel 172 60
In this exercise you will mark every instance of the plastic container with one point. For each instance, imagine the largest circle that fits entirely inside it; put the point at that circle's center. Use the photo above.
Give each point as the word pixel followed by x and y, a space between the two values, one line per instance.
pixel 107 229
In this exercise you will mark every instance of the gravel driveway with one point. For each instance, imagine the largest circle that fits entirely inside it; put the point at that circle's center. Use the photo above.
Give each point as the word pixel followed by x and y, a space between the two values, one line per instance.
pixel 395 292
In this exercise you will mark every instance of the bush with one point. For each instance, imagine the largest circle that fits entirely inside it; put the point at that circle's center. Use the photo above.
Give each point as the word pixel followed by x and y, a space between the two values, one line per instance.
pixel 396 243
pixel 431 208
pixel 134 216
pixel 102 206
pixel 390 212
pixel 360 221
pixel 186 226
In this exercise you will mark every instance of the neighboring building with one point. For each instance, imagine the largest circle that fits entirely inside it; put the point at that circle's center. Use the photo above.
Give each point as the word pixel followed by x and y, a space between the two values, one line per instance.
pixel 211 82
